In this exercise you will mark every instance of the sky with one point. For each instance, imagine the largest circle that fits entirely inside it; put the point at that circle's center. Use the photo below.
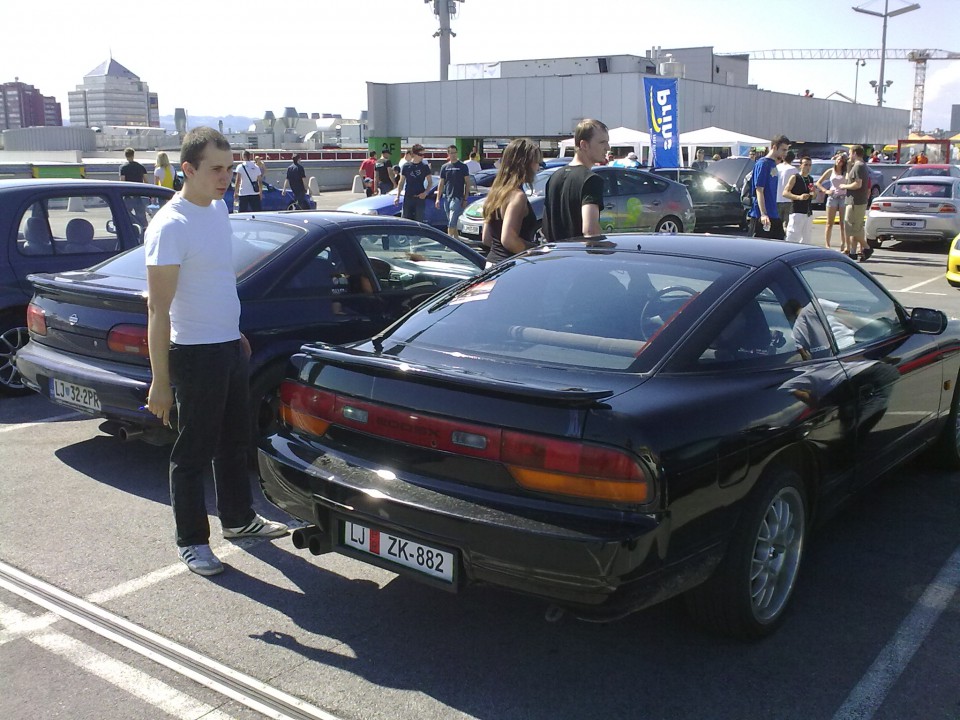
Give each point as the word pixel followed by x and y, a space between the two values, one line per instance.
pixel 245 57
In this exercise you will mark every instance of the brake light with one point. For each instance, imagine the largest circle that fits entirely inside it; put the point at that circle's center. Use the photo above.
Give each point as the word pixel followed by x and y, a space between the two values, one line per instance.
pixel 948 208
pixel 129 339
pixel 875 206
pixel 36 320
pixel 573 468
pixel 305 408
pixel 540 463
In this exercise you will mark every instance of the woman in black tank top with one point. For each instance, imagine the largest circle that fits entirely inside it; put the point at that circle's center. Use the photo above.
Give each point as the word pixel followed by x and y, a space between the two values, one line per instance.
pixel 509 223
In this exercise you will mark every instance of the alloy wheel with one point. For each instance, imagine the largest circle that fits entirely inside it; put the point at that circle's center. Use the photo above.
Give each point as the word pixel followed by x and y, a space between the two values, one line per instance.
pixel 11 340
pixel 776 554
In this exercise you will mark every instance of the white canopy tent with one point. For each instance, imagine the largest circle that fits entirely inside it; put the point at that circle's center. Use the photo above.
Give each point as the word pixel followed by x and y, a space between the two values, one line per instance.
pixel 714 137
pixel 619 137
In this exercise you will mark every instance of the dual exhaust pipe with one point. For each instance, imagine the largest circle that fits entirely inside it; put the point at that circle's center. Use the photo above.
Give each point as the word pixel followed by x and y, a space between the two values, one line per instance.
pixel 313 539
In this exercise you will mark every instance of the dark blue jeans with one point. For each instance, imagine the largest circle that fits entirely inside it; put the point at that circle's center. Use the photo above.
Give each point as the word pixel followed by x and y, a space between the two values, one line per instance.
pixel 210 384
pixel 413 208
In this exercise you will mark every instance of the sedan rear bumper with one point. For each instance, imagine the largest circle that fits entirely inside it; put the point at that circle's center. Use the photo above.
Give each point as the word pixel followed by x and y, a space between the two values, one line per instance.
pixel 598 566
pixel 121 389
pixel 935 228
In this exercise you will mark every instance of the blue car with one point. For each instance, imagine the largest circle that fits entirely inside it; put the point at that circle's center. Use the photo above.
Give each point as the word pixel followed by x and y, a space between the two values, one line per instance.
pixel 273 199
pixel 304 277
pixel 54 225
pixel 384 205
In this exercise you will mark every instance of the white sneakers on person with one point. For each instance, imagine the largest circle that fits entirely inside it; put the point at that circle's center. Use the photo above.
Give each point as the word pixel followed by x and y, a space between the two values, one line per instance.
pixel 259 527
pixel 200 559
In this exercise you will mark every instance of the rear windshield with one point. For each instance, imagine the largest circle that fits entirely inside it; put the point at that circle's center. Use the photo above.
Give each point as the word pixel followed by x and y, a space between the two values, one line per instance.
pixel 920 189
pixel 573 308
pixel 253 242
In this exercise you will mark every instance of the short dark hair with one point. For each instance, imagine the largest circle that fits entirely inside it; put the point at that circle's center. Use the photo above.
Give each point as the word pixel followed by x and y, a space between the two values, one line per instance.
pixel 385 152
pixel 858 150
pixel 247 155
pixel 586 129
pixel 790 156
pixel 452 147
pixel 417 149
pixel 779 140
pixel 195 144
pixel 806 157
pixel 128 153
pixel 373 153
pixel 296 157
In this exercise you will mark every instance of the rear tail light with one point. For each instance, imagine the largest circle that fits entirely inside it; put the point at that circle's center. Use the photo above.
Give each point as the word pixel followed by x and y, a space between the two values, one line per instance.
pixel 948 208
pixel 129 339
pixel 536 462
pixel 875 206
pixel 36 320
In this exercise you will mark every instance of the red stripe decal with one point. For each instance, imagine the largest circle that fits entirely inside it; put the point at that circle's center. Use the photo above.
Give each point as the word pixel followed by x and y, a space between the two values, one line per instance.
pixel 375 542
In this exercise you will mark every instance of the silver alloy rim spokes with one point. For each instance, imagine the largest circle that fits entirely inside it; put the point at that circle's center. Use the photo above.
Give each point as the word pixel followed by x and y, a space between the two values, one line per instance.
pixel 669 227
pixel 11 341
pixel 776 555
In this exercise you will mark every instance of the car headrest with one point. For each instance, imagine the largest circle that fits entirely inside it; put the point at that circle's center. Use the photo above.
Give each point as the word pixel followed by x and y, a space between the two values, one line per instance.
pixel 79 231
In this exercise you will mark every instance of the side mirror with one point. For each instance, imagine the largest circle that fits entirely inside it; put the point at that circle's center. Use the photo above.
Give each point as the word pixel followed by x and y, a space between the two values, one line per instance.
pixel 111 227
pixel 927 321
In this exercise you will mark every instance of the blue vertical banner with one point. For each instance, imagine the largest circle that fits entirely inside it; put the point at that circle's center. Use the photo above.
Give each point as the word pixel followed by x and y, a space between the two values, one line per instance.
pixel 661 100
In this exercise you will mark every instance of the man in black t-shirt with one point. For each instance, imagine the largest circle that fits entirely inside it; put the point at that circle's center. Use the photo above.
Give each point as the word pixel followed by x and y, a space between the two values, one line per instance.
pixel 415 182
pixel 383 172
pixel 452 190
pixel 132 171
pixel 574 193
pixel 296 181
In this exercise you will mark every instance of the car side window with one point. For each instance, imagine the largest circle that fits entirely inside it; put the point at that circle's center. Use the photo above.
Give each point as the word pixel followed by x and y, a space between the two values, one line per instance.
pixel 141 209
pixel 330 272
pixel 68 225
pixel 640 184
pixel 857 310
pixel 403 258
pixel 759 333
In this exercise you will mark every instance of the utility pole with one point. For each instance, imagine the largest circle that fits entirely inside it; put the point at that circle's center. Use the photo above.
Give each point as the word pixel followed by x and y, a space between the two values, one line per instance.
pixel 883 40
pixel 442 9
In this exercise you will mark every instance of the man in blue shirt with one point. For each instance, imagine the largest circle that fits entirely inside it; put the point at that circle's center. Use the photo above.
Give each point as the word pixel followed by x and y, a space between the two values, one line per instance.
pixel 764 219
pixel 452 190
pixel 415 182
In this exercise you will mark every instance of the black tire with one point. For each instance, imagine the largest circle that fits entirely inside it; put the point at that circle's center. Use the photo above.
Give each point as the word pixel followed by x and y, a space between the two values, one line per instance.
pixel 874 242
pixel 265 399
pixel 667 222
pixel 947 449
pixel 749 592
pixel 13 336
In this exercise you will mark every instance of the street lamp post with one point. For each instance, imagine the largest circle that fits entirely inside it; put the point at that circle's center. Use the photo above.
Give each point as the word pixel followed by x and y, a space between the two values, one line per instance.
pixel 856 80
pixel 883 41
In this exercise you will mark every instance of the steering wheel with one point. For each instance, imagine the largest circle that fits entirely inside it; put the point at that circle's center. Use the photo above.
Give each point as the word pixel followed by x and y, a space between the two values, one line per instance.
pixel 652 314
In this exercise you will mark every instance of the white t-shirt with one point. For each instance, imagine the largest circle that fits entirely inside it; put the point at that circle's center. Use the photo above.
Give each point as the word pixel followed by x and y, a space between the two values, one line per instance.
pixel 785 171
pixel 205 307
pixel 161 173
pixel 246 184
pixel 473 167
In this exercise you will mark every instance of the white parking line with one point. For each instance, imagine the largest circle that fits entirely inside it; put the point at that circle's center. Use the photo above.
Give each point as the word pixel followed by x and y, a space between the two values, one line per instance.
pixel 921 284
pixel 126 677
pixel 867 697
pixel 44 421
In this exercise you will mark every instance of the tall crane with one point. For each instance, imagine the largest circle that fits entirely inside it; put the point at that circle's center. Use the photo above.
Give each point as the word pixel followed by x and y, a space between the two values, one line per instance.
pixel 920 57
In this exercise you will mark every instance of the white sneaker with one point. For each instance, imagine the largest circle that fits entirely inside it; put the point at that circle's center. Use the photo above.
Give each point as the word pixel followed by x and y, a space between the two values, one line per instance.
pixel 258 527
pixel 200 559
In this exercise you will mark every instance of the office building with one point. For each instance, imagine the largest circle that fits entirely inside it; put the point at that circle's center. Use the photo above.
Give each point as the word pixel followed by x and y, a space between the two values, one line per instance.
pixel 22 105
pixel 112 95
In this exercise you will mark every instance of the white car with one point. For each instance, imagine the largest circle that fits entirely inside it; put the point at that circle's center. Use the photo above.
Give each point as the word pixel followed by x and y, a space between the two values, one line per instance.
pixel 915 209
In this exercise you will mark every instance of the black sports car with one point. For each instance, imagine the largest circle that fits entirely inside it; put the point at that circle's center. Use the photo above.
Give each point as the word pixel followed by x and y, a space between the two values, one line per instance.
pixel 301 276
pixel 605 424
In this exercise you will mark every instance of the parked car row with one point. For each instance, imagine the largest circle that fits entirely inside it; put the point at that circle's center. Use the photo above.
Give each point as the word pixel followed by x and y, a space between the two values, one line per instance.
pixel 601 424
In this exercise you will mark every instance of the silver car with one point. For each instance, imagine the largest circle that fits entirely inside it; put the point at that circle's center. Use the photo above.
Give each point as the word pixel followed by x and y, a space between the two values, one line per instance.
pixel 915 209
pixel 633 200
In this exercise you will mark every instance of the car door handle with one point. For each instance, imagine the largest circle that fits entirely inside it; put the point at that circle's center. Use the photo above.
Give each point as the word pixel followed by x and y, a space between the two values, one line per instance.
pixel 655 202
pixel 609 206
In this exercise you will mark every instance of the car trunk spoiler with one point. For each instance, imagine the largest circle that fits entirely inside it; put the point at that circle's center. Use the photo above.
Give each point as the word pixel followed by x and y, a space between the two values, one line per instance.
pixel 392 367
pixel 56 285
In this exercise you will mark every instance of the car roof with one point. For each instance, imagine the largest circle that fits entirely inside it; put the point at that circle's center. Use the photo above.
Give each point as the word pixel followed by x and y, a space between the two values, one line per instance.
pixel 76 183
pixel 324 218
pixel 750 251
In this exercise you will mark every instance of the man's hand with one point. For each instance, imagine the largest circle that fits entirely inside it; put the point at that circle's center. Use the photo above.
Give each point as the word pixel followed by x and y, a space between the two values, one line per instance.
pixel 396 200
pixel 437 203
pixel 160 400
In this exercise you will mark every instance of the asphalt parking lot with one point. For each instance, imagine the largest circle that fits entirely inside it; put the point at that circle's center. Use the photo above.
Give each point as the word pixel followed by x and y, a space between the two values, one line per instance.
pixel 873 632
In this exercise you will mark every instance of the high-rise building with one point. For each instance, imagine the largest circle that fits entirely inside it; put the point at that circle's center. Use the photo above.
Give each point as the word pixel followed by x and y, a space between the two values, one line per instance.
pixel 22 105
pixel 112 95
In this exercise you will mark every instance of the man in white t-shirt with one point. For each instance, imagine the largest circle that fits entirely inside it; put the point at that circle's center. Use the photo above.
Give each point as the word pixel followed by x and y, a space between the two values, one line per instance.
pixel 785 171
pixel 198 357
pixel 248 185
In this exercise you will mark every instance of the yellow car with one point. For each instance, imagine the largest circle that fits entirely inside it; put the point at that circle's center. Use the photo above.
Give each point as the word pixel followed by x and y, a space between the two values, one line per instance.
pixel 953 263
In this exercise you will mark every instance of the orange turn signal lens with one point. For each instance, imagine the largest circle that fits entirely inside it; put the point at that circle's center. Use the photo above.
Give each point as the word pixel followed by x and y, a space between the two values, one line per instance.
pixel 578 486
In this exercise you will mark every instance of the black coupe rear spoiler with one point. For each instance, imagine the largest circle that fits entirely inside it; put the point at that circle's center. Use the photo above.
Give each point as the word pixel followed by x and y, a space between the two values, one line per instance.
pixel 392 367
